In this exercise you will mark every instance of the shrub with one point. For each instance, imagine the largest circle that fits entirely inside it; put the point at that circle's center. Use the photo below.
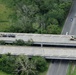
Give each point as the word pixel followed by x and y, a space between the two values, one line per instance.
pixel 2 42
pixel 29 42
pixel 19 42
pixel 40 63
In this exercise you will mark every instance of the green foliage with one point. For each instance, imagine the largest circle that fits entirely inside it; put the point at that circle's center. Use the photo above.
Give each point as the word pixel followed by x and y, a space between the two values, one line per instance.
pixel 2 42
pixel 7 63
pixel 53 29
pixel 14 28
pixel 40 63
pixel 19 42
pixel 71 68
pixel 33 16
pixel 6 13
pixel 22 43
pixel 22 65
pixel 65 6
pixel 29 42
pixel 3 73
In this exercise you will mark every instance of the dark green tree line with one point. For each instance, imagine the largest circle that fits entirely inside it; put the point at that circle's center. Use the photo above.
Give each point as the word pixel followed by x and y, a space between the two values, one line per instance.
pixel 22 65
pixel 36 16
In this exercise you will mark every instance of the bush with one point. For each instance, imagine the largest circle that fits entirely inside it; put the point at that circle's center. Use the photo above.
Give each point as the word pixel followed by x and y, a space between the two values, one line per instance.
pixel 7 63
pixel 40 63
pixel 2 42
pixel 18 64
pixel 29 42
pixel 53 29
pixel 19 42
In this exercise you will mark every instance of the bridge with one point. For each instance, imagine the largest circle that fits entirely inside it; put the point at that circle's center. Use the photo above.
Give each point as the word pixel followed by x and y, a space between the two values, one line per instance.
pixel 60 50
pixel 57 52
pixel 46 52
pixel 39 39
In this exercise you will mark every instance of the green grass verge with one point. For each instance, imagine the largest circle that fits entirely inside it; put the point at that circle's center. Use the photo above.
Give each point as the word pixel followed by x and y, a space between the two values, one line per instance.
pixel 71 69
pixel 3 73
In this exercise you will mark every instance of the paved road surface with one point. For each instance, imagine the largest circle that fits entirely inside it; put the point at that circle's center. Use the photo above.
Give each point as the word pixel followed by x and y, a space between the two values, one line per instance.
pixel 73 27
pixel 68 23
pixel 63 66
pixel 58 68
pixel 47 52
pixel 53 68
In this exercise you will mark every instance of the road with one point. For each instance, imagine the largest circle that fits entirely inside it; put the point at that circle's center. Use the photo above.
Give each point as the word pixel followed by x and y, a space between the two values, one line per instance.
pixel 47 52
pixel 53 68
pixel 60 67
pixel 63 66
pixel 73 27
pixel 70 25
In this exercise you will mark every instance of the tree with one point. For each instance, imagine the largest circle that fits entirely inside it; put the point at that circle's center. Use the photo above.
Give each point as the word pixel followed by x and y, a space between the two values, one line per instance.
pixel 7 63
pixel 24 66
pixel 34 16
pixel 40 62
pixel 19 42
pixel 53 29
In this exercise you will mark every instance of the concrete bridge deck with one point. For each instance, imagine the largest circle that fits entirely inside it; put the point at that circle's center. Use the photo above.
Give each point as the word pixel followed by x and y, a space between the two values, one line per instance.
pixel 47 52
pixel 45 39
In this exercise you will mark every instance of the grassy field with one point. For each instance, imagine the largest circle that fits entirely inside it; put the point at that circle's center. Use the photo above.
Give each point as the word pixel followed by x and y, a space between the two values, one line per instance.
pixel 3 73
pixel 5 16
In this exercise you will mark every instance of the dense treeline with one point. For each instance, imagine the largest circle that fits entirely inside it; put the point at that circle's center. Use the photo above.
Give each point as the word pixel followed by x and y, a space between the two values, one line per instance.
pixel 38 16
pixel 22 65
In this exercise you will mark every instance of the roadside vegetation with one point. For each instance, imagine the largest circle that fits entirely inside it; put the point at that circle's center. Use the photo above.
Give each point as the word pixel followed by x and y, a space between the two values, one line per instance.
pixel 30 16
pixel 22 65
pixel 33 16
pixel 71 68
pixel 18 42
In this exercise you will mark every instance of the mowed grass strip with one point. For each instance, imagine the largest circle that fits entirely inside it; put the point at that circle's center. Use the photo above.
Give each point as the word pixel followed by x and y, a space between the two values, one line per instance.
pixel 71 69
pixel 74 72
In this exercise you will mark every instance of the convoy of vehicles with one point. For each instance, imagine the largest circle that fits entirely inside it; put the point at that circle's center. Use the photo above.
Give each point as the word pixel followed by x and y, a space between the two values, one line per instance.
pixel 7 35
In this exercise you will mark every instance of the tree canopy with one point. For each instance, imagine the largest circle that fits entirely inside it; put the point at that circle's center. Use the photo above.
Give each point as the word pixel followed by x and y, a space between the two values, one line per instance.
pixel 36 16
pixel 22 65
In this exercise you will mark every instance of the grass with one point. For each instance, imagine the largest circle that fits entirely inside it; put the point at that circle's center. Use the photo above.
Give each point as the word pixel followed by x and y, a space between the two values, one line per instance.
pixel 74 73
pixel 4 26
pixel 3 73
pixel 5 16
pixel 71 69
pixel 4 12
